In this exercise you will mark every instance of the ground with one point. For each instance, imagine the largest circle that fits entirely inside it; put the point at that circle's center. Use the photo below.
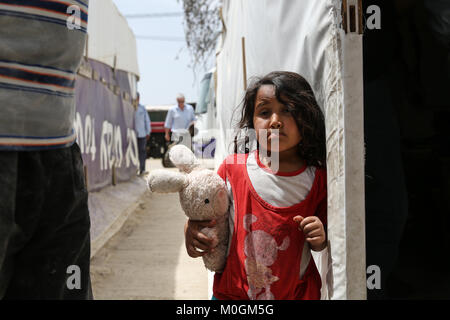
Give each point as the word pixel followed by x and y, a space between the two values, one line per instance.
pixel 147 258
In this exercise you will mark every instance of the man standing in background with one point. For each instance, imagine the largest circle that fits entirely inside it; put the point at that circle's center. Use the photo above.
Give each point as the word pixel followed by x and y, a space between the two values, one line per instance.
pixel 143 130
pixel 44 215
pixel 179 117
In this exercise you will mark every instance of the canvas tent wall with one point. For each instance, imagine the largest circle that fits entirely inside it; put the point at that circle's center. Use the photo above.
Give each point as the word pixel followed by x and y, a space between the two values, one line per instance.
pixel 105 88
pixel 111 41
pixel 307 37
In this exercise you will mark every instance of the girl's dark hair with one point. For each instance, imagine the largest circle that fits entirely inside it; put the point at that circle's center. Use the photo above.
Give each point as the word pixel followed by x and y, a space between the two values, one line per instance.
pixel 295 92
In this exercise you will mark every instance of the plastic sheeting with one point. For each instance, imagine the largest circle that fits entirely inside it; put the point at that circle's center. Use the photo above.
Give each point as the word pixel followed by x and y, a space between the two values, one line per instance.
pixel 105 87
pixel 110 39
pixel 306 37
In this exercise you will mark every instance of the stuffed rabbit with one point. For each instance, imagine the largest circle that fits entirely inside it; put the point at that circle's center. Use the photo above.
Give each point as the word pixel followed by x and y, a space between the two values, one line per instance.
pixel 203 196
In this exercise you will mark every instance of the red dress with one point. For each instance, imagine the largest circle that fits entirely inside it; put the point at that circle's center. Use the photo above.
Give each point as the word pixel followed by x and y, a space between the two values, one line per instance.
pixel 266 245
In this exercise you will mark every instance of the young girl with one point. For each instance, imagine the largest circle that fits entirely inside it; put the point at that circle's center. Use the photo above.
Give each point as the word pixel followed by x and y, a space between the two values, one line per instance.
pixel 276 218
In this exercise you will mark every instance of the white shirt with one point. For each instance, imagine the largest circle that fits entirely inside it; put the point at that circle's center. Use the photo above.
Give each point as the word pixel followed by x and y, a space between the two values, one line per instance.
pixel 284 191
pixel 179 119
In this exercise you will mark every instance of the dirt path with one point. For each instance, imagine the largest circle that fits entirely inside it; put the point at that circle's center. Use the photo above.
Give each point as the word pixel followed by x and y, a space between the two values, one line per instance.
pixel 147 259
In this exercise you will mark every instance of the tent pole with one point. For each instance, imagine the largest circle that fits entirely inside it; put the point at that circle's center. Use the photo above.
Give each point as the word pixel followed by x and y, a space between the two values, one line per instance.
pixel 244 64
pixel 360 17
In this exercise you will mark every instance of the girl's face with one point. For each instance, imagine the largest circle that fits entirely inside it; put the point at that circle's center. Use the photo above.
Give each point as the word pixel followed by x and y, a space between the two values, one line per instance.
pixel 270 114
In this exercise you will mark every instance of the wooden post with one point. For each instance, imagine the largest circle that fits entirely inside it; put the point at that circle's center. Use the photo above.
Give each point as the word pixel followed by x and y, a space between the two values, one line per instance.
pixel 352 19
pixel 344 15
pixel 114 177
pixel 244 64
pixel 352 16
pixel 360 17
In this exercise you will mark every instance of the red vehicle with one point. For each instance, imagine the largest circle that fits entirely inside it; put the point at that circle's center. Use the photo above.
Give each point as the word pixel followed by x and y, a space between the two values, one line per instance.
pixel 156 145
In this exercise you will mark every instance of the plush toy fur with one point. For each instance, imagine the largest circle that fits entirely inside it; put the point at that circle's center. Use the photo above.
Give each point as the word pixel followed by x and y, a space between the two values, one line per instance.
pixel 203 196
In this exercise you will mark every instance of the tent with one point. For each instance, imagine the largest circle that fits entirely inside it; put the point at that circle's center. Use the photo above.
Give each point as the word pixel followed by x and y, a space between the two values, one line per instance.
pixel 106 87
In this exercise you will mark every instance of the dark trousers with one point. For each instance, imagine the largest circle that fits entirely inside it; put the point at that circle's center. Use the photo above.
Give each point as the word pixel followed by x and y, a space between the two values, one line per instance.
pixel 142 143
pixel 44 225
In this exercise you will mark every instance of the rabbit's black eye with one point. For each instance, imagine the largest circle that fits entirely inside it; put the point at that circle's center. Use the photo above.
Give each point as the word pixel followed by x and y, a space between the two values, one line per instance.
pixel 206 201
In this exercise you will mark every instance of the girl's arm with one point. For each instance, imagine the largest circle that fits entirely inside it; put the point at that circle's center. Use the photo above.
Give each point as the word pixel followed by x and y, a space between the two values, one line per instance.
pixel 314 228
pixel 314 231
pixel 323 258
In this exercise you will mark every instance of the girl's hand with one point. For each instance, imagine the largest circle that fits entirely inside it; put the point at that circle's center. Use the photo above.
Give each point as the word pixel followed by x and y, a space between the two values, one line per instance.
pixel 195 240
pixel 313 230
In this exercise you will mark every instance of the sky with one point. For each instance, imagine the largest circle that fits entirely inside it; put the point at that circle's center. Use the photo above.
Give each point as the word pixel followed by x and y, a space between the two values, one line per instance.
pixel 163 65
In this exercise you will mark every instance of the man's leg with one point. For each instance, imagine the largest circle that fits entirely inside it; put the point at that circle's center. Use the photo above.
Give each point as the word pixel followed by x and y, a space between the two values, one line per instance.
pixel 8 228
pixel 54 261
pixel 142 153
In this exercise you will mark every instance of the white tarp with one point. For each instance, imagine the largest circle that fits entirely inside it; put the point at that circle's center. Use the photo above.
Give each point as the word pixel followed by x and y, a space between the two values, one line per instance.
pixel 110 39
pixel 306 37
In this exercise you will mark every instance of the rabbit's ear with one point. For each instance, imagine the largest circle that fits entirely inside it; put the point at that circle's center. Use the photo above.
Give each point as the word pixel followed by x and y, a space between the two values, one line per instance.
pixel 166 181
pixel 183 158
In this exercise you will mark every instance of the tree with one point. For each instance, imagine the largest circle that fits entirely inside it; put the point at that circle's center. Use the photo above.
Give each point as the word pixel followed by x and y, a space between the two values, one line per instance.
pixel 202 28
